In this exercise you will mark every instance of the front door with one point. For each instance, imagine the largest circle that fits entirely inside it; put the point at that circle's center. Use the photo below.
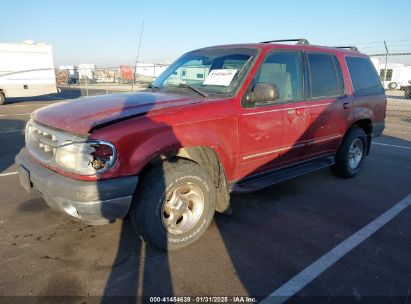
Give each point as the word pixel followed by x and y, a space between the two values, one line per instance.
pixel 261 124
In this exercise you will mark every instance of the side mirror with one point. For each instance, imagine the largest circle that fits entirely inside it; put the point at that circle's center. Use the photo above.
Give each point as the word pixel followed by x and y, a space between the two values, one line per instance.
pixel 263 91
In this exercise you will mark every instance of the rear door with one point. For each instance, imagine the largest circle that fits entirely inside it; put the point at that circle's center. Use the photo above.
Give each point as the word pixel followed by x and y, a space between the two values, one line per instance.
pixel 328 107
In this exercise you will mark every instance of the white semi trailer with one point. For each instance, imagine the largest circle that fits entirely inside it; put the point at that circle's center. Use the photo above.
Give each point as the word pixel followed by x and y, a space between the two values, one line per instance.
pixel 393 75
pixel 26 69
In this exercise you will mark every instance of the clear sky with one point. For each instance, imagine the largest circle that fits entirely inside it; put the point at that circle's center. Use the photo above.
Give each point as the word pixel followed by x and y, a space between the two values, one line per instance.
pixel 107 32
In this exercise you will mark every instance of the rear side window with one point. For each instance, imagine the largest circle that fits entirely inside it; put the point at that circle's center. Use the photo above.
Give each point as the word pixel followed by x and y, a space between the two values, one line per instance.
pixel 364 77
pixel 325 75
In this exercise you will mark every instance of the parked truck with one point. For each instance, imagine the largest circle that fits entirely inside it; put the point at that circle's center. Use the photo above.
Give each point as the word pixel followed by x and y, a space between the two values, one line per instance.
pixel 167 158
pixel 26 69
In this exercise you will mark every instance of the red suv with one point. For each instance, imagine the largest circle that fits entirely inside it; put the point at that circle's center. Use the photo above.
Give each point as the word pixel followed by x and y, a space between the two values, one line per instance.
pixel 232 118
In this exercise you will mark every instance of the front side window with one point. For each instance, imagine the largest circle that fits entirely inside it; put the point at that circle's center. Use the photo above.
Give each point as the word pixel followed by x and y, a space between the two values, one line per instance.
pixel 212 71
pixel 284 71
pixel 364 77
pixel 326 77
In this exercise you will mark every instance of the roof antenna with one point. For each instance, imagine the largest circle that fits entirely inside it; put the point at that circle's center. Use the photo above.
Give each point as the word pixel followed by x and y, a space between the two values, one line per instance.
pixel 138 55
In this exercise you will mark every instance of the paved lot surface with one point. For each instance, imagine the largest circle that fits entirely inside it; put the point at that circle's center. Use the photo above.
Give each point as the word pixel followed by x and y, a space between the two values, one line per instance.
pixel 271 236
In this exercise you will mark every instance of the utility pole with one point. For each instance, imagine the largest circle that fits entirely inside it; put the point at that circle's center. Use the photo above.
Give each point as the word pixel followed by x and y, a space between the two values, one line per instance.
pixel 386 63
pixel 138 55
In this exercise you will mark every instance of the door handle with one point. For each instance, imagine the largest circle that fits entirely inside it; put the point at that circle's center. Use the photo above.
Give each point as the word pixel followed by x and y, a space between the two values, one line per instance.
pixel 346 105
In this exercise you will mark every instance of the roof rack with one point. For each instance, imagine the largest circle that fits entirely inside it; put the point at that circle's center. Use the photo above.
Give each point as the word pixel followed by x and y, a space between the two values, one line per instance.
pixel 299 41
pixel 348 47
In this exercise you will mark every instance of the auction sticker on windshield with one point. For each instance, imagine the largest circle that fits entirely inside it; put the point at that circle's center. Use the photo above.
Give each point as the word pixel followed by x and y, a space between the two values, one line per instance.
pixel 220 77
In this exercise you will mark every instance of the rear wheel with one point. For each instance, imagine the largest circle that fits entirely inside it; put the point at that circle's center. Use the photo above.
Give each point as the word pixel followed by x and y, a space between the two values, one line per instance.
pixel 2 98
pixel 351 154
pixel 174 205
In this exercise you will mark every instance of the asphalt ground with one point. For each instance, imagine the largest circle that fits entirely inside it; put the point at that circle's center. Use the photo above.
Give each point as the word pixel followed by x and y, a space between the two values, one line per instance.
pixel 272 236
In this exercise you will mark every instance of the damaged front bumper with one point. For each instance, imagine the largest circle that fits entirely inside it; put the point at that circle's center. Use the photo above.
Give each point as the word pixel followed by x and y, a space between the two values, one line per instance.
pixel 95 202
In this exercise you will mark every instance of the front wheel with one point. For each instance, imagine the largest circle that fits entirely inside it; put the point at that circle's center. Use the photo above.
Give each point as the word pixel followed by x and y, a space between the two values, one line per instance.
pixel 351 154
pixel 174 205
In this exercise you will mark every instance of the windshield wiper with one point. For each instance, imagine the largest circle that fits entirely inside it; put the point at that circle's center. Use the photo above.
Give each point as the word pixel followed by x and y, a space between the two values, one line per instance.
pixel 184 85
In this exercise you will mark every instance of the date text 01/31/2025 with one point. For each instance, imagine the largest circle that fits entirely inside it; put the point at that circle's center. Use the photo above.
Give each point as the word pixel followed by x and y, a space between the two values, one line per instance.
pixel 203 299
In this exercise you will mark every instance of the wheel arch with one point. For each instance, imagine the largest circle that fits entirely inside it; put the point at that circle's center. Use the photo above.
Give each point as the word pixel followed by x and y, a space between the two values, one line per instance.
pixel 208 159
pixel 366 125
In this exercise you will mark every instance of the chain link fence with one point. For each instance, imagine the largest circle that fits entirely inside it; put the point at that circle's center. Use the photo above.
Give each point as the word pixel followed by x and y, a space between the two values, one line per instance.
pixel 398 118
pixel 395 73
pixel 89 80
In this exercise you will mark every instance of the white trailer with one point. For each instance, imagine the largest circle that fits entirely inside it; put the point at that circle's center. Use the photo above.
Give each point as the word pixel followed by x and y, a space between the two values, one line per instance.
pixel 150 69
pixel 189 75
pixel 393 75
pixel 405 77
pixel 26 69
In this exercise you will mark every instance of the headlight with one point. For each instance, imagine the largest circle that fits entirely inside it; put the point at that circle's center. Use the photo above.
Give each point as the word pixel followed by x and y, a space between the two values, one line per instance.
pixel 69 152
pixel 85 158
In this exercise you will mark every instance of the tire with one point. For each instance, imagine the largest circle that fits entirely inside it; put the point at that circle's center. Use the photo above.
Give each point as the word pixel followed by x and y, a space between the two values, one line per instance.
pixel 392 85
pixel 2 99
pixel 180 196
pixel 346 164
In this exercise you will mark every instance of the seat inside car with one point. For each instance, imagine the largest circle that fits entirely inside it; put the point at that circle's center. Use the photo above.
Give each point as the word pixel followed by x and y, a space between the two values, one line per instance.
pixel 275 74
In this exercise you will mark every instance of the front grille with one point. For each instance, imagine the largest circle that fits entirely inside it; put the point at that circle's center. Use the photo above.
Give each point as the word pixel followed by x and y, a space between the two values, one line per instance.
pixel 43 141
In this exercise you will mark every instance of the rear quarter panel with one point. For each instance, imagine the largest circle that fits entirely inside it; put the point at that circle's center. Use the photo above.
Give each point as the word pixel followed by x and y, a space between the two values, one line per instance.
pixel 371 107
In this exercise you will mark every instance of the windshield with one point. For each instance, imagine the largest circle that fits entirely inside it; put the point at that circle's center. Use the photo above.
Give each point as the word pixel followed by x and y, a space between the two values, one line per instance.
pixel 208 71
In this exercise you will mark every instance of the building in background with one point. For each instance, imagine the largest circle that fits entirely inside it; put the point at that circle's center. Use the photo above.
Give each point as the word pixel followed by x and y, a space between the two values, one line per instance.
pixel 86 72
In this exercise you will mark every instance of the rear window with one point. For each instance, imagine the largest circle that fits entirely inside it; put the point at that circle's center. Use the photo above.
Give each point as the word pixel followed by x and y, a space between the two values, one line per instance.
pixel 364 77
pixel 325 74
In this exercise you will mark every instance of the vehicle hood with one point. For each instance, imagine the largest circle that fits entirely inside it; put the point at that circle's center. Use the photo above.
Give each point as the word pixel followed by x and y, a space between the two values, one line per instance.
pixel 82 115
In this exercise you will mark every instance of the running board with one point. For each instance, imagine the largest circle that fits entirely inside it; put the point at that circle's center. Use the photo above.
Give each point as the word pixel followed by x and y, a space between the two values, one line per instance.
pixel 260 181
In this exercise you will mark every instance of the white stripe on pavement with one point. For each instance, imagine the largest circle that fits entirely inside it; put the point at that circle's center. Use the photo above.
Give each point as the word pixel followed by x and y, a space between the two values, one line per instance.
pixel 11 131
pixel 298 282
pixel 8 174
pixel 57 98
pixel 2 115
pixel 394 146
pixel 11 105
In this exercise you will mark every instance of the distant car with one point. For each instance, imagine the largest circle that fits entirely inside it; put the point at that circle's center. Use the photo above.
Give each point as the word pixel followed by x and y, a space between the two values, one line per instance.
pixel 243 118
